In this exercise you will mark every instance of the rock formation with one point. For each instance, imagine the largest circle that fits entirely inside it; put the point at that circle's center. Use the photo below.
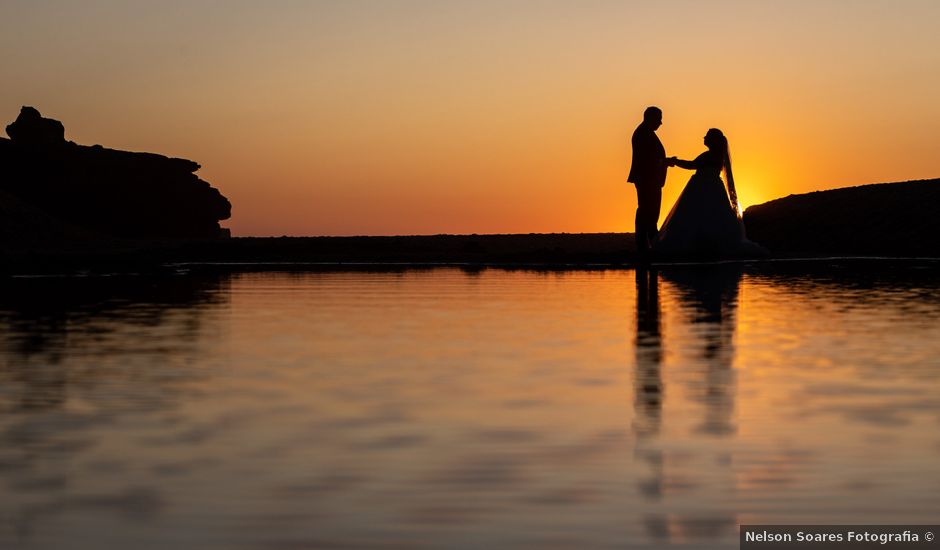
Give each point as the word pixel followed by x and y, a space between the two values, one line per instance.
pixel 113 193
pixel 32 129
pixel 886 219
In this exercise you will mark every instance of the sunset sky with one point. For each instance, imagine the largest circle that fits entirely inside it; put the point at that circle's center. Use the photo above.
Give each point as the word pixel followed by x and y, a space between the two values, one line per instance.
pixel 423 117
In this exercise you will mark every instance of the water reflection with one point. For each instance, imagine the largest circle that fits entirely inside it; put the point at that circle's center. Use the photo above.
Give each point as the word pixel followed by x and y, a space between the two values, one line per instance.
pixel 465 408
pixel 77 355
pixel 648 348
pixel 47 321
pixel 706 299
pixel 709 298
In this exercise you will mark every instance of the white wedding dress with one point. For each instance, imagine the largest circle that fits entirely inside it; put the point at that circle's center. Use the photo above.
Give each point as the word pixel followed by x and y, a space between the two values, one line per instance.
pixel 703 224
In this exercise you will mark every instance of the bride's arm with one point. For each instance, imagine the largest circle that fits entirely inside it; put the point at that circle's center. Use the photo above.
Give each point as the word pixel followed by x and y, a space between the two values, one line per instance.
pixel 687 164
pixel 690 164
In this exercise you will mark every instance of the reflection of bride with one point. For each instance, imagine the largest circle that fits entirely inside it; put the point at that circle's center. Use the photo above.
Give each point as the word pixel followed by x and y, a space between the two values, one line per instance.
pixel 704 222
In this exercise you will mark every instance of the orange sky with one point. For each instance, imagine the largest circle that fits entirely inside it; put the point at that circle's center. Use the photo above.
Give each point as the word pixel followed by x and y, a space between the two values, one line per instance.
pixel 408 117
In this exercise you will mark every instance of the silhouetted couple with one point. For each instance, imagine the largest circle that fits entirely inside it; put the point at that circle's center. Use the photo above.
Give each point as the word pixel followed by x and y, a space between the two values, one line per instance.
pixel 706 220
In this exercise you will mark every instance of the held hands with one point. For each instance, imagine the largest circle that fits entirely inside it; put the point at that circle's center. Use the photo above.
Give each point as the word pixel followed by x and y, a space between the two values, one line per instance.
pixel 671 161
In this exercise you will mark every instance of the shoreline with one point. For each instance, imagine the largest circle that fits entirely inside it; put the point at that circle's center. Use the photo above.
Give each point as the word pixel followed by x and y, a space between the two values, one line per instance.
pixel 136 266
pixel 877 221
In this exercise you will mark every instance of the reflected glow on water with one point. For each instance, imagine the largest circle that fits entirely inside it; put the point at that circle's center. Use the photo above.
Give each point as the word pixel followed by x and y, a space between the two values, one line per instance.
pixel 460 409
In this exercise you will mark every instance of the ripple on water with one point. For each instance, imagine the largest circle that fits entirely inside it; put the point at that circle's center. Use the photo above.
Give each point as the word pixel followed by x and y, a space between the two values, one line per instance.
pixel 445 408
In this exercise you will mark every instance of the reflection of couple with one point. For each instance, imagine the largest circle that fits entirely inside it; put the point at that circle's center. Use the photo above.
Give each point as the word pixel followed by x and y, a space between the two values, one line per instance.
pixel 705 221
pixel 708 298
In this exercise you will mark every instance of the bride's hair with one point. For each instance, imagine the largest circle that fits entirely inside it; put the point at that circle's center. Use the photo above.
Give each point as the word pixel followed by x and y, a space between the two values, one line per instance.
pixel 719 143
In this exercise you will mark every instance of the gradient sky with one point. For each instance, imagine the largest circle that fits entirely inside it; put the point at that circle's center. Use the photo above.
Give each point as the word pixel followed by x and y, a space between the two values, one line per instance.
pixel 424 117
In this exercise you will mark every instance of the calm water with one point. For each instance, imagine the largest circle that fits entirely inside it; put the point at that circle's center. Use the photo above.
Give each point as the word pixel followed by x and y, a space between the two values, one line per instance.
pixel 452 409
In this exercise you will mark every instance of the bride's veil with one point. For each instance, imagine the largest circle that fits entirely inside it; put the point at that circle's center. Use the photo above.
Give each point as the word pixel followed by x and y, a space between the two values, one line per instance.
pixel 729 177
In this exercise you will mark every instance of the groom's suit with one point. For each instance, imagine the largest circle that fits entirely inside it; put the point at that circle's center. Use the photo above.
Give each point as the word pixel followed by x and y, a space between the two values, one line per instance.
pixel 648 174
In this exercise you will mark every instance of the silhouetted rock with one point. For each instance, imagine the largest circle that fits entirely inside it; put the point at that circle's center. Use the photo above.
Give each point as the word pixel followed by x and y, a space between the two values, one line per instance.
pixel 30 128
pixel 24 226
pixel 887 219
pixel 114 193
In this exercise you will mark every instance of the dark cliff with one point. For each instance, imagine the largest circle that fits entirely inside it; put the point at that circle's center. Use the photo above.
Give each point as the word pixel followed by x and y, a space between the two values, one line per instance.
pixel 887 219
pixel 111 193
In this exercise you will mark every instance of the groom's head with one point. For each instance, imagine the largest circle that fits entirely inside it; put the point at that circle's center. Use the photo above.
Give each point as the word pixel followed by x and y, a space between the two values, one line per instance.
pixel 653 117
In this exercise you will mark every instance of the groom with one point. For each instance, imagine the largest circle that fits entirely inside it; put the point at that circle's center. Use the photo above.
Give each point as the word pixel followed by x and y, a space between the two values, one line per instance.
pixel 648 174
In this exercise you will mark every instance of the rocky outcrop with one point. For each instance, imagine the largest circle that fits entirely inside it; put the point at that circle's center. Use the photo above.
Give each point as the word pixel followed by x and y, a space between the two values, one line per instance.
pixel 887 219
pixel 113 193
pixel 23 226
pixel 31 128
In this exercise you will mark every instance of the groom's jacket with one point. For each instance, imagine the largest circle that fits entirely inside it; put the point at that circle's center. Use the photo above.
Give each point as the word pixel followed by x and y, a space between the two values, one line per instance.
pixel 649 158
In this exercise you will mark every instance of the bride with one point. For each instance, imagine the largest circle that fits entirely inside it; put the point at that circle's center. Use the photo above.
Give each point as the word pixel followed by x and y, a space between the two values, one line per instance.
pixel 704 222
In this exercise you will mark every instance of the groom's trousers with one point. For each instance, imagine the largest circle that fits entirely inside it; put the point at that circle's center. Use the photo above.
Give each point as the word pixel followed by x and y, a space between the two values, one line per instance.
pixel 649 198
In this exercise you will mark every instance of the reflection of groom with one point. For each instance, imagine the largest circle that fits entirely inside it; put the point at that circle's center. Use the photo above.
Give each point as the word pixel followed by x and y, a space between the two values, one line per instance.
pixel 648 174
